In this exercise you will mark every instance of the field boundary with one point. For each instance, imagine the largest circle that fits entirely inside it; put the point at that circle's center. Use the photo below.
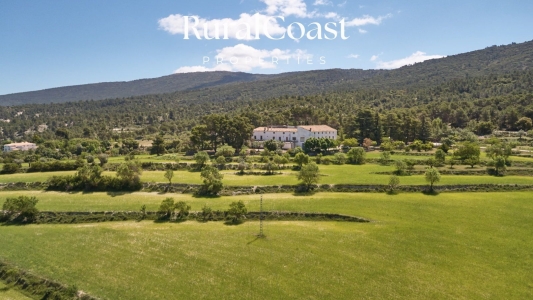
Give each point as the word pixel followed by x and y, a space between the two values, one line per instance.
pixel 35 285
pixel 183 188
pixel 76 217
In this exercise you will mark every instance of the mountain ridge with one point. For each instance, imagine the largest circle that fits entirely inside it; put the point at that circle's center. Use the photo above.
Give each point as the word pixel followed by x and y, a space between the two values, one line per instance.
pixel 237 85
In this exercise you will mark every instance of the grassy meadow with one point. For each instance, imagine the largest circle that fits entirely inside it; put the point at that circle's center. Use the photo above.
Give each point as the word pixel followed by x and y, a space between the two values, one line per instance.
pixel 331 174
pixel 8 293
pixel 454 245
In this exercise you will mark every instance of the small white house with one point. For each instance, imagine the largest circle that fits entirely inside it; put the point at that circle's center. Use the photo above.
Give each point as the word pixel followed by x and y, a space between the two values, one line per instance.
pixel 293 136
pixel 19 147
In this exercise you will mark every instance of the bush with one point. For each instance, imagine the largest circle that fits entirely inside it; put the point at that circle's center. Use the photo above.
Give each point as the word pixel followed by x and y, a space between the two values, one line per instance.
pixel 237 212
pixel 401 168
pixel 225 151
pixel 384 158
pixel 340 159
pixel 20 209
pixel 394 182
pixel 212 181
pixel 357 155
pixel 10 168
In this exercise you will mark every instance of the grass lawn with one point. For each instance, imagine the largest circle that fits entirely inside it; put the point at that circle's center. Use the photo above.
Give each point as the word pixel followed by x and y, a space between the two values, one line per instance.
pixel 454 245
pixel 331 174
pixel 8 293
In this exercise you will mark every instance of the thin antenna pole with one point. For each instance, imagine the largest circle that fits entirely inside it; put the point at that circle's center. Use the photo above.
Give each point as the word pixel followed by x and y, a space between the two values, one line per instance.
pixel 261 217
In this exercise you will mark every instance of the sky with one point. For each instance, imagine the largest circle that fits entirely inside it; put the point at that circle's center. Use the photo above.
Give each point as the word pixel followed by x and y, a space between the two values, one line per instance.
pixel 53 43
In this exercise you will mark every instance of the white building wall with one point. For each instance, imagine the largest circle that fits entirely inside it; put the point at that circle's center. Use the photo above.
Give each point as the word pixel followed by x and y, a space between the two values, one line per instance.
pixel 298 135
pixel 280 136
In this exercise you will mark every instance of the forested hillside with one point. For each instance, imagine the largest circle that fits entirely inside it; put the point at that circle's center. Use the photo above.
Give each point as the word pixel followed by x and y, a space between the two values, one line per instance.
pixel 217 86
pixel 99 91
pixel 481 91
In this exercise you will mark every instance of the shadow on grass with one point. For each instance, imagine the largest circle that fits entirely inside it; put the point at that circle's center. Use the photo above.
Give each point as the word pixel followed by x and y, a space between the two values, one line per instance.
pixel 160 221
pixel 206 196
pixel 4 289
pixel 119 193
pixel 304 194
pixel 393 193
pixel 233 223
pixel 16 223
pixel 257 237
pixel 431 193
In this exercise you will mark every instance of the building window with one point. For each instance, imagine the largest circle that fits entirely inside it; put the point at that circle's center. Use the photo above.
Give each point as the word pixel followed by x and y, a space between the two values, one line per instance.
pixel 302 139
pixel 294 139
pixel 255 138
pixel 280 138
pixel 261 138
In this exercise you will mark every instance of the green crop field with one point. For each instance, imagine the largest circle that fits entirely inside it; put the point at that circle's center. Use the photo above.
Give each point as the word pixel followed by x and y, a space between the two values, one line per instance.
pixel 320 202
pixel 454 245
pixel 331 174
pixel 8 293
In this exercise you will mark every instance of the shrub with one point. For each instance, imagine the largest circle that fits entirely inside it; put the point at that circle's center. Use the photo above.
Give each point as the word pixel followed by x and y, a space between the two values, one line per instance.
pixel 394 182
pixel 432 176
pixel 384 158
pixel 212 181
pixel 221 160
pixel 401 168
pixel 207 213
pixel 201 159
pixel 301 159
pixel 357 155
pixel 340 159
pixel 237 212
pixel 10 168
pixel 309 175
pixel 20 209
pixel 225 151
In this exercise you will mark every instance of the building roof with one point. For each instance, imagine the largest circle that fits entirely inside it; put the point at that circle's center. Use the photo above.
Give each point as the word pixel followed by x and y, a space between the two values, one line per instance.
pixel 20 144
pixel 312 128
pixel 275 129
pixel 317 128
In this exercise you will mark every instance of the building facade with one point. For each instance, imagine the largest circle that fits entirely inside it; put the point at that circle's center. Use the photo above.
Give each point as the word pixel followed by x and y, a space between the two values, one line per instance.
pixel 293 136
pixel 19 147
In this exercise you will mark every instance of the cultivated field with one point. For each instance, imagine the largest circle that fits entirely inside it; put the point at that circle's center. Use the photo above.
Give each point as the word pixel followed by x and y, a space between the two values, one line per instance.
pixel 331 174
pixel 7 293
pixel 454 245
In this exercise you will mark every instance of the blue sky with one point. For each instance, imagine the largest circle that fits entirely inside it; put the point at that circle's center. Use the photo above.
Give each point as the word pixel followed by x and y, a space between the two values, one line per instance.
pixel 52 43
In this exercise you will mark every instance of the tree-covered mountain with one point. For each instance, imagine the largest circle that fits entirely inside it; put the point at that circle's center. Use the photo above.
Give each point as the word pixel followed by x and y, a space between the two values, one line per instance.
pixel 222 86
pixel 479 91
pixel 105 90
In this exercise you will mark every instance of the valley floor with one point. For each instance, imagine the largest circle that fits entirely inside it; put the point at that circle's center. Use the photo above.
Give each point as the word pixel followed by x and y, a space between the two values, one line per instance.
pixel 454 245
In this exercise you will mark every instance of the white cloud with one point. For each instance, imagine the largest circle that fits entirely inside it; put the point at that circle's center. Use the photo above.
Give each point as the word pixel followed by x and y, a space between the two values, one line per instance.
pixel 244 58
pixel 175 24
pixel 342 4
pixel 332 15
pixel 416 57
pixel 362 31
pixel 367 20
pixel 193 69
pixel 322 2
pixel 286 8
pixel 353 56
pixel 374 57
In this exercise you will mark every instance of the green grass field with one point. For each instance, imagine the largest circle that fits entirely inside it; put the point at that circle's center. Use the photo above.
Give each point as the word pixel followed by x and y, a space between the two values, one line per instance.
pixel 332 174
pixel 454 245
pixel 8 293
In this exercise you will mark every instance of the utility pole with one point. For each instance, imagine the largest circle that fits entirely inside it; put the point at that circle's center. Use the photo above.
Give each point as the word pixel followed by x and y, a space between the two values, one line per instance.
pixel 261 235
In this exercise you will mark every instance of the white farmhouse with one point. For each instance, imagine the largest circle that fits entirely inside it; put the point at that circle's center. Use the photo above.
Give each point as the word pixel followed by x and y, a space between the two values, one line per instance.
pixel 19 147
pixel 293 136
